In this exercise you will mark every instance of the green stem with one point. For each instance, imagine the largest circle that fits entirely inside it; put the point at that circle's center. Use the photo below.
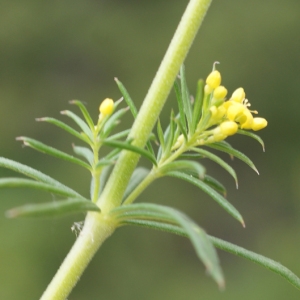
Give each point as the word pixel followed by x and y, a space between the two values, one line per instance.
pixel 98 226
pixel 154 101
pixel 154 174
pixel 96 180
pixel 141 187
pixel 183 148
pixel 96 229
pixel 95 174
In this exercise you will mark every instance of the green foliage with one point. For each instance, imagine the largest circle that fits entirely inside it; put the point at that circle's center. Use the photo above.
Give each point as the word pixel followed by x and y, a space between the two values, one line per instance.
pixel 178 155
pixel 166 215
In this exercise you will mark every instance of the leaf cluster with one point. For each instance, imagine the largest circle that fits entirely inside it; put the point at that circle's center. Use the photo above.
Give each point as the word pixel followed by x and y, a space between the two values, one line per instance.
pixel 178 155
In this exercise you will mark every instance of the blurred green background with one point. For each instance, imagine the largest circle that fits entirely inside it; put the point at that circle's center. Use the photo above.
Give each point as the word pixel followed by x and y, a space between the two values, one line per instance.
pixel 55 51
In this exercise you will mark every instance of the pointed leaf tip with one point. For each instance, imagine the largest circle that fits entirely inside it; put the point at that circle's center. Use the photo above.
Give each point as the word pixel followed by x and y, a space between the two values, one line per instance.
pixel 40 119
pixel 22 139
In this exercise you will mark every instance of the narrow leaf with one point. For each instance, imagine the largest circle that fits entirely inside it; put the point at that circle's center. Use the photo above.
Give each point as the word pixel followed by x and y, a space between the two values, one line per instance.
pixel 64 127
pixel 113 155
pixel 258 259
pixel 181 128
pixel 52 151
pixel 183 165
pixel 102 163
pixel 35 174
pixel 85 113
pixel 224 147
pixel 84 127
pixel 160 135
pixel 149 146
pixel 186 97
pixel 120 135
pixel 197 108
pixel 190 155
pixel 145 215
pixel 127 146
pixel 136 178
pixel 261 260
pixel 50 209
pixel 169 137
pixel 180 105
pixel 166 135
pixel 127 97
pixel 159 225
pixel 197 235
pixel 254 136
pixel 113 121
pixel 211 192
pixel 219 161
pixel 215 184
pixel 84 152
pixel 28 183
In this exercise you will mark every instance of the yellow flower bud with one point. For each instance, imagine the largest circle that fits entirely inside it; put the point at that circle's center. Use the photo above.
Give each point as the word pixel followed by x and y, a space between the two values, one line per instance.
pixel 220 92
pixel 106 107
pixel 259 123
pixel 217 136
pixel 228 128
pixel 213 79
pixel 238 95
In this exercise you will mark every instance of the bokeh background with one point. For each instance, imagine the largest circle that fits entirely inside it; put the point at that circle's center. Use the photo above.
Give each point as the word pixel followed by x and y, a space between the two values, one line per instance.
pixel 55 51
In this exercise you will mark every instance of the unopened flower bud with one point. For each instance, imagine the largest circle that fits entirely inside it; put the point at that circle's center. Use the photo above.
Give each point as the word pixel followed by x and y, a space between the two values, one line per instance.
pixel 220 92
pixel 217 136
pixel 106 107
pixel 213 79
pixel 238 95
pixel 228 127
pixel 259 123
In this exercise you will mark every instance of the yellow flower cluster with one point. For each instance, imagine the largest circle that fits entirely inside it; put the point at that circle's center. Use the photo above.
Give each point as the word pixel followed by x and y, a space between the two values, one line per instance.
pixel 229 115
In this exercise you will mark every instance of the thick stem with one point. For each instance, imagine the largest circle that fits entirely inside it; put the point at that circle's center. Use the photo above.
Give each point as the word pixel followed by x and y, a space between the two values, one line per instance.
pixel 154 101
pixel 96 230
